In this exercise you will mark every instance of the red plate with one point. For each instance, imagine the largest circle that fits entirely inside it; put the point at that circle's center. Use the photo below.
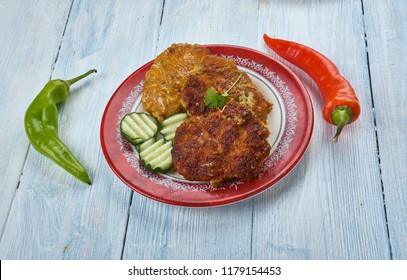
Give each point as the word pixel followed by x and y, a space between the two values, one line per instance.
pixel 290 122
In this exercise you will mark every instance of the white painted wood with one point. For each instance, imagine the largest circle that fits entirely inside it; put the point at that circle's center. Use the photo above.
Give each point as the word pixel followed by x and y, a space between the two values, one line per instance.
pixel 330 206
pixel 54 216
pixel 169 232
pixel 30 38
pixel 158 231
pixel 209 22
pixel 386 36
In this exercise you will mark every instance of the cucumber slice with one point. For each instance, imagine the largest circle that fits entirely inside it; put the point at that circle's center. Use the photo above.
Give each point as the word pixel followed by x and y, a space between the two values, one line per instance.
pixel 138 127
pixel 146 144
pixel 157 156
pixel 170 125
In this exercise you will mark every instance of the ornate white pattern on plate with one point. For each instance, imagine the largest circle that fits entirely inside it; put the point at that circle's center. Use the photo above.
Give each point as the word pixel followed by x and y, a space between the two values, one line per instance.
pixel 289 102
pixel 132 158
pixel 278 153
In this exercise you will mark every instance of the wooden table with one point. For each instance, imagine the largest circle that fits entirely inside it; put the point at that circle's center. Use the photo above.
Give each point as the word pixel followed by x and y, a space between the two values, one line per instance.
pixel 342 201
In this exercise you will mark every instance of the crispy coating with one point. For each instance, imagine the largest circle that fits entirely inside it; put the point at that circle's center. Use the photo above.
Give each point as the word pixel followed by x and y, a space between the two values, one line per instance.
pixel 221 145
pixel 220 74
pixel 182 74
pixel 166 77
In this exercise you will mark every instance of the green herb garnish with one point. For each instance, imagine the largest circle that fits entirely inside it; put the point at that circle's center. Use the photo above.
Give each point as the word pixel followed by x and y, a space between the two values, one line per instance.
pixel 213 99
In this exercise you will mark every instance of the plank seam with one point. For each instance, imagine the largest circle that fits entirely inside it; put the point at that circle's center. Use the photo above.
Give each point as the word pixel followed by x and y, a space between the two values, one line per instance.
pixel 159 27
pixel 127 225
pixel 60 43
pixel 29 145
pixel 376 134
pixel 252 232
pixel 132 194
pixel 14 194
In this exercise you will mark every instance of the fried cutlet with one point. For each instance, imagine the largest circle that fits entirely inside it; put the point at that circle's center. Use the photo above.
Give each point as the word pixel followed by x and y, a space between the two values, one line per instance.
pixel 221 145
pixel 182 74
pixel 220 74
pixel 166 77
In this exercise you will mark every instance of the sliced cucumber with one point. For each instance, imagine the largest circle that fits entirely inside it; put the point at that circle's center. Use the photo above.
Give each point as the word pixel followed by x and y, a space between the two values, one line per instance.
pixel 146 144
pixel 138 127
pixel 141 129
pixel 157 156
pixel 170 125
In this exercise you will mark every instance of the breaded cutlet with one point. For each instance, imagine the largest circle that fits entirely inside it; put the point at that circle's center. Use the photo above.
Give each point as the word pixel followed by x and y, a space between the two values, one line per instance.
pixel 161 95
pixel 221 145
pixel 220 74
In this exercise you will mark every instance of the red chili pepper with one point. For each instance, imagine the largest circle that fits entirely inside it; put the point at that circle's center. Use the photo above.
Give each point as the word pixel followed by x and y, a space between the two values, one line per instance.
pixel 341 105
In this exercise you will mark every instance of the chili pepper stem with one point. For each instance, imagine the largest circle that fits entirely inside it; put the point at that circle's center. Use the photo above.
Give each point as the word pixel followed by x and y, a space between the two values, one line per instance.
pixel 341 105
pixel 338 132
pixel 74 80
pixel 341 116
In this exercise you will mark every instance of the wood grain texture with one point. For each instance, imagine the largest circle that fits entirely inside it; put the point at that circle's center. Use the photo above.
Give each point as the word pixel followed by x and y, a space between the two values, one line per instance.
pixel 158 231
pixel 54 216
pixel 342 201
pixel 209 22
pixel 177 233
pixel 386 36
pixel 331 205
pixel 26 63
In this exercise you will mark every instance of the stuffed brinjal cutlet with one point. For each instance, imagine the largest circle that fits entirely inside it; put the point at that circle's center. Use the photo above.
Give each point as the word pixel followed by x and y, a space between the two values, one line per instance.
pixel 182 74
pixel 221 145
pixel 221 75
pixel 216 143
pixel 166 77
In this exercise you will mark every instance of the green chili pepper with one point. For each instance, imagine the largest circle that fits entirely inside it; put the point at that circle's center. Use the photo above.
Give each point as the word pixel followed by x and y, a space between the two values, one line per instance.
pixel 41 126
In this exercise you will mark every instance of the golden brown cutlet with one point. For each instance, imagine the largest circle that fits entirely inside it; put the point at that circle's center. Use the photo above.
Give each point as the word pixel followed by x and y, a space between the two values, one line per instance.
pixel 166 77
pixel 213 145
pixel 220 74
pixel 221 145
pixel 182 74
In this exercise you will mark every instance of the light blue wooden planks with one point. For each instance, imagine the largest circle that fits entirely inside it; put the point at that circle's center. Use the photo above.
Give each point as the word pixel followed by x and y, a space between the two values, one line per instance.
pixel 386 43
pixel 169 232
pixel 30 34
pixel 158 231
pixel 209 22
pixel 54 216
pixel 330 206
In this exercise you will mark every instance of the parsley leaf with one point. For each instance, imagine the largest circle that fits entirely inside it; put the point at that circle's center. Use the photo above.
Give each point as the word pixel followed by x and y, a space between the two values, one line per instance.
pixel 222 100
pixel 213 99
